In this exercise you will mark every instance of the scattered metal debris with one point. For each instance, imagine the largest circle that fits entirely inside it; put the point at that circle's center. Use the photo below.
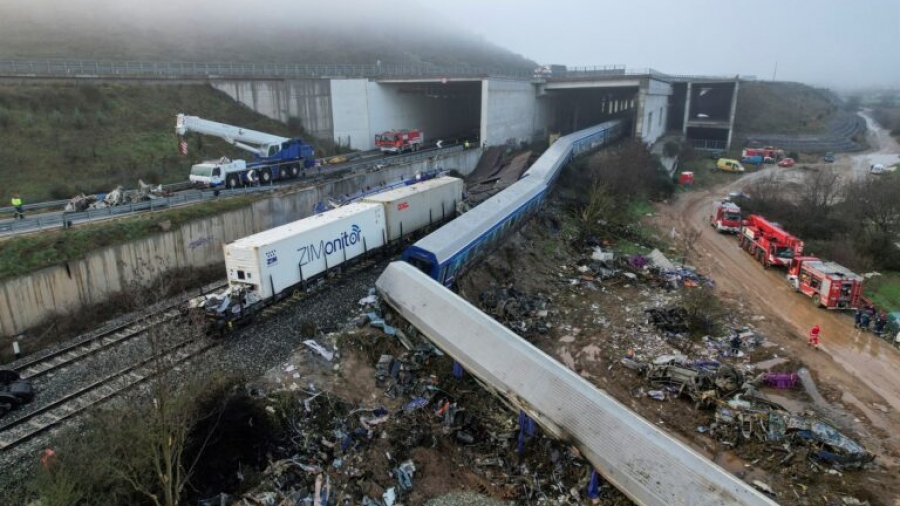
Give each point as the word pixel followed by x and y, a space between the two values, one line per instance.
pixel 118 196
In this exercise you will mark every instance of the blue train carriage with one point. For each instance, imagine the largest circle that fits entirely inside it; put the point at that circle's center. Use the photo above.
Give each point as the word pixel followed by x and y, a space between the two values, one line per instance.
pixel 445 253
pixel 549 166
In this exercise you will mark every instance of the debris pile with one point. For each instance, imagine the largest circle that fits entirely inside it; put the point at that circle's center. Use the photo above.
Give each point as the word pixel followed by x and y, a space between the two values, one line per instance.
pixel 742 415
pixel 522 313
pixel 116 197
pixel 672 320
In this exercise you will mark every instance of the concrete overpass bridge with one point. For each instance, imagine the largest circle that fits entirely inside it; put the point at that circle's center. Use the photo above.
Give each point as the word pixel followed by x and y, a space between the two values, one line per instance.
pixel 351 103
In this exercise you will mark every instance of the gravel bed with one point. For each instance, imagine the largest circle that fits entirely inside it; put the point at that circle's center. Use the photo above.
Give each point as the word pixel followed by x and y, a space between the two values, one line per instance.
pixel 248 352
pixel 465 499
pixel 255 349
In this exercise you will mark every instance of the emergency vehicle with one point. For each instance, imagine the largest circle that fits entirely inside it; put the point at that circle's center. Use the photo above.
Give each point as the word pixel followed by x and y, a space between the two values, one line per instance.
pixel 726 216
pixel 398 141
pixel 768 242
pixel 828 284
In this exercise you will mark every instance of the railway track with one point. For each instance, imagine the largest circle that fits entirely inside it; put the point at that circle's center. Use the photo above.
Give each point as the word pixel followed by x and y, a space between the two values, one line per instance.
pixel 75 352
pixel 68 406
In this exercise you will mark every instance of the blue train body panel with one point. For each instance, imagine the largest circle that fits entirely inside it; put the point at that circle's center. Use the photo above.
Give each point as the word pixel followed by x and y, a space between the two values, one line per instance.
pixel 448 251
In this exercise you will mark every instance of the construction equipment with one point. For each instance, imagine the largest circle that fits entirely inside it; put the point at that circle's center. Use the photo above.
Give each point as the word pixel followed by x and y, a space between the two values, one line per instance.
pixel 398 141
pixel 768 242
pixel 830 285
pixel 726 216
pixel 275 158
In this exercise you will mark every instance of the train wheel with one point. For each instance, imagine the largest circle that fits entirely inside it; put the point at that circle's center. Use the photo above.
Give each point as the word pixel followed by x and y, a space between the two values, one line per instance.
pixel 7 376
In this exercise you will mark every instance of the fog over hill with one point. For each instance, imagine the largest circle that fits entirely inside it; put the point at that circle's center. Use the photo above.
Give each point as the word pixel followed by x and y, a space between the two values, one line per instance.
pixel 349 31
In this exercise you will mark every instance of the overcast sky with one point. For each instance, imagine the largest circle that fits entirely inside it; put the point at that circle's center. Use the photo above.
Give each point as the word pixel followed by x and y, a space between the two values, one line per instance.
pixel 823 42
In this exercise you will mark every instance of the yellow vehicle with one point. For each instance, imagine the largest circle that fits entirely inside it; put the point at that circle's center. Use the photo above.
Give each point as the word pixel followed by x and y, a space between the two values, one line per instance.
pixel 729 165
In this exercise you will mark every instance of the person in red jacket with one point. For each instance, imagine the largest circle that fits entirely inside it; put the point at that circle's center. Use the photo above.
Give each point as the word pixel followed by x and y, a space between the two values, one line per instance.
pixel 814 337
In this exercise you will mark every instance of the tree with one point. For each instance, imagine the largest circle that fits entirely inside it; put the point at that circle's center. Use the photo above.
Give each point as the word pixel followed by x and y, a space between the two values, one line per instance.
pixel 876 209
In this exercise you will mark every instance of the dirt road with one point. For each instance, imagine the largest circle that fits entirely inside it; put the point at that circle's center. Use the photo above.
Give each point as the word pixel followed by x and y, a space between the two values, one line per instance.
pixel 862 372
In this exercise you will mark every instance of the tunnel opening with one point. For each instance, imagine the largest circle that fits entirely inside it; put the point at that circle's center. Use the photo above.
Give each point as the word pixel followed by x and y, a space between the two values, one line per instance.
pixel 448 111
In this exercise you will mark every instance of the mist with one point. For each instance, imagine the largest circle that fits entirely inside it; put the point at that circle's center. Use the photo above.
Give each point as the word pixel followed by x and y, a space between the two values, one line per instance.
pixel 353 31
pixel 827 42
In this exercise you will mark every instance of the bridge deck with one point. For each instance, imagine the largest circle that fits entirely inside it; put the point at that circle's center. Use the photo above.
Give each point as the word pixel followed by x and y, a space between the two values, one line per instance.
pixel 645 463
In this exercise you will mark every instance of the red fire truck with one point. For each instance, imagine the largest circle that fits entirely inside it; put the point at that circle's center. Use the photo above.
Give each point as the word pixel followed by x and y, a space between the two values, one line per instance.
pixel 398 141
pixel 726 216
pixel 768 153
pixel 830 285
pixel 768 242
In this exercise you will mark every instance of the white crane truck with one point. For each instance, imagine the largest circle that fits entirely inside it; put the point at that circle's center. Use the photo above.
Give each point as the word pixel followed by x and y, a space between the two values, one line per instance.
pixel 275 157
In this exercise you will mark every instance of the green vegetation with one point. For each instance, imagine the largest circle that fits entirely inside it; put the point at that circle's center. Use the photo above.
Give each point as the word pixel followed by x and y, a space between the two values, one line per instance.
pixel 783 108
pixel 884 291
pixel 60 139
pixel 29 253
pixel 705 173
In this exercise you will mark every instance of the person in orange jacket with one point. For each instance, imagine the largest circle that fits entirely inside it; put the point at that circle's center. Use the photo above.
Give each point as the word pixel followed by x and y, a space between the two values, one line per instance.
pixel 814 337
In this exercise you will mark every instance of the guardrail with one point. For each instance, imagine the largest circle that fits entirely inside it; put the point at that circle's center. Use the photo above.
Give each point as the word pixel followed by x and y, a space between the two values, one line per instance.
pixel 61 68
pixel 51 204
pixel 66 219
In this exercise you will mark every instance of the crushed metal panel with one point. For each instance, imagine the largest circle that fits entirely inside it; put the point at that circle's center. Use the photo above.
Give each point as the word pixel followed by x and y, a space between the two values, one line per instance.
pixel 645 463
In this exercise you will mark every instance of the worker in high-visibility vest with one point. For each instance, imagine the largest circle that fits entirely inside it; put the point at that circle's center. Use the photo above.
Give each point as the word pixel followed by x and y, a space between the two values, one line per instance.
pixel 17 203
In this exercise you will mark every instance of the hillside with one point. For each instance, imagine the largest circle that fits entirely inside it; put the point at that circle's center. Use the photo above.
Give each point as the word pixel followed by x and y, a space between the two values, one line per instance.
pixel 796 117
pixel 779 107
pixel 59 140
pixel 241 31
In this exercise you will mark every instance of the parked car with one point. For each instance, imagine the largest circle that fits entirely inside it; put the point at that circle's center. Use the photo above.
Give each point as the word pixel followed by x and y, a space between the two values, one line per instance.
pixel 829 157
pixel 729 165
pixel 786 162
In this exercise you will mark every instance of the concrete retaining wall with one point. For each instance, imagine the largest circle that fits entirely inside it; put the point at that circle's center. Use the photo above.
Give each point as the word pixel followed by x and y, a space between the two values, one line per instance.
pixel 309 100
pixel 507 111
pixel 28 300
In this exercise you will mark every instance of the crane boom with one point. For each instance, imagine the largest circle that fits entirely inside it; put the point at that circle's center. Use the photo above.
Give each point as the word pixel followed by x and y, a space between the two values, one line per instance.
pixel 258 143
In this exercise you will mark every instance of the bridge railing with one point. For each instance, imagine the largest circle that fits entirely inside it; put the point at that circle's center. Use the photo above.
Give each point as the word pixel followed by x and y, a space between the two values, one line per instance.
pixel 67 68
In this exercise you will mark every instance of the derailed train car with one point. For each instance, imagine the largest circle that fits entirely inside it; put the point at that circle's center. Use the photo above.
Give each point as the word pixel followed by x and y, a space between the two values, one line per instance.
pixel 268 266
pixel 447 252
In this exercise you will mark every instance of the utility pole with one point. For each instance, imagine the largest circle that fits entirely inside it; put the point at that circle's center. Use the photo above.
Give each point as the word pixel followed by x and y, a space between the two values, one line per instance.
pixel 775 72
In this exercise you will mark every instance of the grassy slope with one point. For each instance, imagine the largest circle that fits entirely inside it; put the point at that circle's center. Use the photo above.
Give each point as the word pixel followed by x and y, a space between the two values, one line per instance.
pixel 783 108
pixel 59 140
pixel 32 252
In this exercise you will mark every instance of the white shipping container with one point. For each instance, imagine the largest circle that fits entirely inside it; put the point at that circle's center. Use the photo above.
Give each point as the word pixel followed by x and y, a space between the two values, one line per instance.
pixel 410 208
pixel 278 258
